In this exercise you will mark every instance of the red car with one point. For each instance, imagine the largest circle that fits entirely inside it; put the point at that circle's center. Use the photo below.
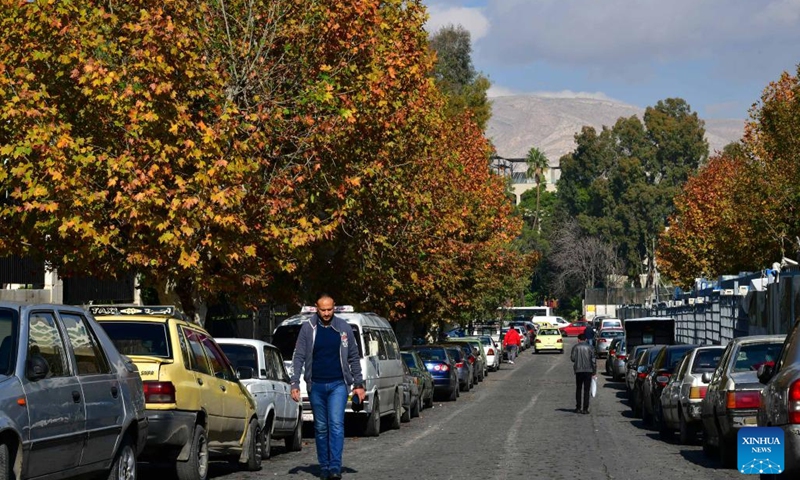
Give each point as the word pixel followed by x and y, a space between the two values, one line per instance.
pixel 574 329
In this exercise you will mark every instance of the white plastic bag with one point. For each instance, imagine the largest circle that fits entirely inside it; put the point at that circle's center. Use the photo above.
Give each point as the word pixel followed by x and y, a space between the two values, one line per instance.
pixel 593 388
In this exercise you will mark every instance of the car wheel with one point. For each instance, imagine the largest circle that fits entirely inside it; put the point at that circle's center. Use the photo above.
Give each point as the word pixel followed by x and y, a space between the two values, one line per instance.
pixel 405 417
pixel 295 442
pixel 254 458
pixel 266 440
pixel 123 468
pixel 373 426
pixel 658 418
pixel 708 449
pixel 398 411
pixel 727 454
pixel 428 402
pixel 686 433
pixel 5 462
pixel 415 408
pixel 196 466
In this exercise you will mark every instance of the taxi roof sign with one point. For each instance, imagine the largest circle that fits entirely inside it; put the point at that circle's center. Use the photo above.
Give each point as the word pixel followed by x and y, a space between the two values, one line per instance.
pixel 336 309
pixel 108 310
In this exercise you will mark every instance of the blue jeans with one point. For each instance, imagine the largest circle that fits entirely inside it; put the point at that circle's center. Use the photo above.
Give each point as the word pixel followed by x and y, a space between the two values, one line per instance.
pixel 328 402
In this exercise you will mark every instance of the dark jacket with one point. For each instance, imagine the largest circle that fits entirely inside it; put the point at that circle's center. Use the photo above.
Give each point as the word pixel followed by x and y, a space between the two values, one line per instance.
pixel 304 352
pixel 583 358
pixel 589 332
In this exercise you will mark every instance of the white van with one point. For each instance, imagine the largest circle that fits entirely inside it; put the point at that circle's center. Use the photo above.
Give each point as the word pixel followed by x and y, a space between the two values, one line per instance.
pixel 381 364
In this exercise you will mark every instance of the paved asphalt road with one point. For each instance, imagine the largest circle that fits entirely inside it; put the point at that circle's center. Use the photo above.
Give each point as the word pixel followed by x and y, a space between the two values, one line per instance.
pixel 518 423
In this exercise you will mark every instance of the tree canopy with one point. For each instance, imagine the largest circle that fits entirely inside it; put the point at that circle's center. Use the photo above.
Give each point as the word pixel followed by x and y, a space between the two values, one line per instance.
pixel 252 149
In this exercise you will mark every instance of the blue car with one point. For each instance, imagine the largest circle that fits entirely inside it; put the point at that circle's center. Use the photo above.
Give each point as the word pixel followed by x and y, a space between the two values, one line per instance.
pixel 442 368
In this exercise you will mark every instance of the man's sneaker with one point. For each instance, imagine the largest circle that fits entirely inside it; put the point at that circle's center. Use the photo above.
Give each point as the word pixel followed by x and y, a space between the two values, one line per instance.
pixel 585 411
pixel 578 410
pixel 511 362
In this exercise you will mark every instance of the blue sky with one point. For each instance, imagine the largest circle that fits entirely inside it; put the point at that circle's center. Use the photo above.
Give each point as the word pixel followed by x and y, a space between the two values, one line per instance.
pixel 716 54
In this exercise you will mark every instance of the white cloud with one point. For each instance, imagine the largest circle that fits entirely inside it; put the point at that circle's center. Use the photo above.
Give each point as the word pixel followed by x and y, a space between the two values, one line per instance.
pixel 500 91
pixel 619 32
pixel 471 19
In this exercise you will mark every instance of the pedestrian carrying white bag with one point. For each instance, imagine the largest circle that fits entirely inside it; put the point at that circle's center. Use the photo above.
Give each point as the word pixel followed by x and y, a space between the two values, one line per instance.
pixel 593 388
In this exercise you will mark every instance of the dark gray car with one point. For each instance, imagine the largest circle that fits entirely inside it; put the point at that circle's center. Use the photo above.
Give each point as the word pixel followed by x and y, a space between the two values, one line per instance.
pixel 67 397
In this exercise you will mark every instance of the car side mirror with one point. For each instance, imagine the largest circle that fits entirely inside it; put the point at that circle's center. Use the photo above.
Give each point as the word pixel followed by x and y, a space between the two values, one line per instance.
pixel 765 373
pixel 37 368
pixel 706 377
pixel 244 373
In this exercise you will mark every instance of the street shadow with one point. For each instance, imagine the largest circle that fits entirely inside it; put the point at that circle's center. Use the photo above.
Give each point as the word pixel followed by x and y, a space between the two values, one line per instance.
pixel 568 410
pixel 315 471
pixel 636 422
pixel 700 459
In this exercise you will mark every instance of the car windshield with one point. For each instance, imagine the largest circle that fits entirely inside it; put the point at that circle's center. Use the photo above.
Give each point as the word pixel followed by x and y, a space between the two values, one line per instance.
pixel 676 353
pixel 752 356
pixel 285 338
pixel 149 339
pixel 549 332
pixel 707 360
pixel 241 355
pixel 408 358
pixel 8 344
pixel 432 354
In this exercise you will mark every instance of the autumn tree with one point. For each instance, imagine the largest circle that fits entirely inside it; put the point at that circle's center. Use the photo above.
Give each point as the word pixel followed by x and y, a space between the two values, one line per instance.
pixel 456 77
pixel 237 148
pixel 740 213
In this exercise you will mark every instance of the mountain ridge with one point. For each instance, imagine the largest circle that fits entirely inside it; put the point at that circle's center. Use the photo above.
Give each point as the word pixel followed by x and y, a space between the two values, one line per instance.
pixel 519 122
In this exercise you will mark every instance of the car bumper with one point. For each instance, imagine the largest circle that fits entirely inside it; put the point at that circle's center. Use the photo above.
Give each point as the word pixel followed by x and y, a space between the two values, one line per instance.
pixel 692 411
pixel 169 428
pixel 736 419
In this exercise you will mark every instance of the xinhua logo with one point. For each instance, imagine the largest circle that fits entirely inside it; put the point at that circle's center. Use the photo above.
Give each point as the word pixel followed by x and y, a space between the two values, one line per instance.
pixel 760 450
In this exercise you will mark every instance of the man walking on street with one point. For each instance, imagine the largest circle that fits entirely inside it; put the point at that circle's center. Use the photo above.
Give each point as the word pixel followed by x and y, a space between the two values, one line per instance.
pixel 512 342
pixel 584 363
pixel 589 334
pixel 327 348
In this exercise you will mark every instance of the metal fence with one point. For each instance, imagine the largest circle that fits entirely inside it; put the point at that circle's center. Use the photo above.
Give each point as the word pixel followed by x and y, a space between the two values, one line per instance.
pixel 768 304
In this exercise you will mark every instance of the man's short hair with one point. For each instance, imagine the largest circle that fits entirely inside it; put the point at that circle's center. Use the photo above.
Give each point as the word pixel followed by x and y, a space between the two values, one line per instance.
pixel 581 336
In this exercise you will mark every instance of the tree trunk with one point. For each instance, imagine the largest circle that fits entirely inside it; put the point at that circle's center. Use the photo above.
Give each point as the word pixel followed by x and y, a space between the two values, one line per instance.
pixel 536 227
pixel 182 295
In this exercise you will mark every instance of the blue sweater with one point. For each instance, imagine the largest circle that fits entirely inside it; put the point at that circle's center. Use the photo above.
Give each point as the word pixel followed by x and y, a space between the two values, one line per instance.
pixel 325 367
pixel 349 358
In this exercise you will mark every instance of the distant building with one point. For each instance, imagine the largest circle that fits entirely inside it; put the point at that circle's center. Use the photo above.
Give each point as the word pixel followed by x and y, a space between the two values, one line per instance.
pixel 517 169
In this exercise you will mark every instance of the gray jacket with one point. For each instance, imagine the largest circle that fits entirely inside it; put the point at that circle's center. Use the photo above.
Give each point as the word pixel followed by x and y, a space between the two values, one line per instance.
pixel 304 352
pixel 583 358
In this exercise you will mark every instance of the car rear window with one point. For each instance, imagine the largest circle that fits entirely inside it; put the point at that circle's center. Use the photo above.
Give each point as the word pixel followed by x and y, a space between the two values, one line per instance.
pixel 752 356
pixel 611 334
pixel 241 355
pixel 455 353
pixel 675 354
pixel 433 354
pixel 706 360
pixel 139 338
pixel 550 332
pixel 8 340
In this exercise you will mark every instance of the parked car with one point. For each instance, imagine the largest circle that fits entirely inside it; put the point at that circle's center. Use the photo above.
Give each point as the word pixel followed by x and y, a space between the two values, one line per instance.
pixel 381 365
pixel 631 368
pixel 417 368
pixel 616 358
pixel 475 348
pixel 609 323
pixel 643 368
pixel 197 407
pixel 279 416
pixel 549 339
pixel 655 381
pixel 469 355
pixel 602 340
pixel 780 399
pixel 733 394
pixel 681 398
pixel 574 329
pixel 411 395
pixel 492 351
pixel 70 404
pixel 442 368
pixel 463 368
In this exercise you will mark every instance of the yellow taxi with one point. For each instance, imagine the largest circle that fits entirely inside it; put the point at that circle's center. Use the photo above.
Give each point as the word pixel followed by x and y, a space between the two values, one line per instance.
pixel 548 339
pixel 196 406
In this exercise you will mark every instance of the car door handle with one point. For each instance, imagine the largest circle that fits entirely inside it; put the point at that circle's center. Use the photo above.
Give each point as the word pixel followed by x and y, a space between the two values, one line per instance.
pixel 76 396
pixel 200 381
pixel 222 387
pixel 114 391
